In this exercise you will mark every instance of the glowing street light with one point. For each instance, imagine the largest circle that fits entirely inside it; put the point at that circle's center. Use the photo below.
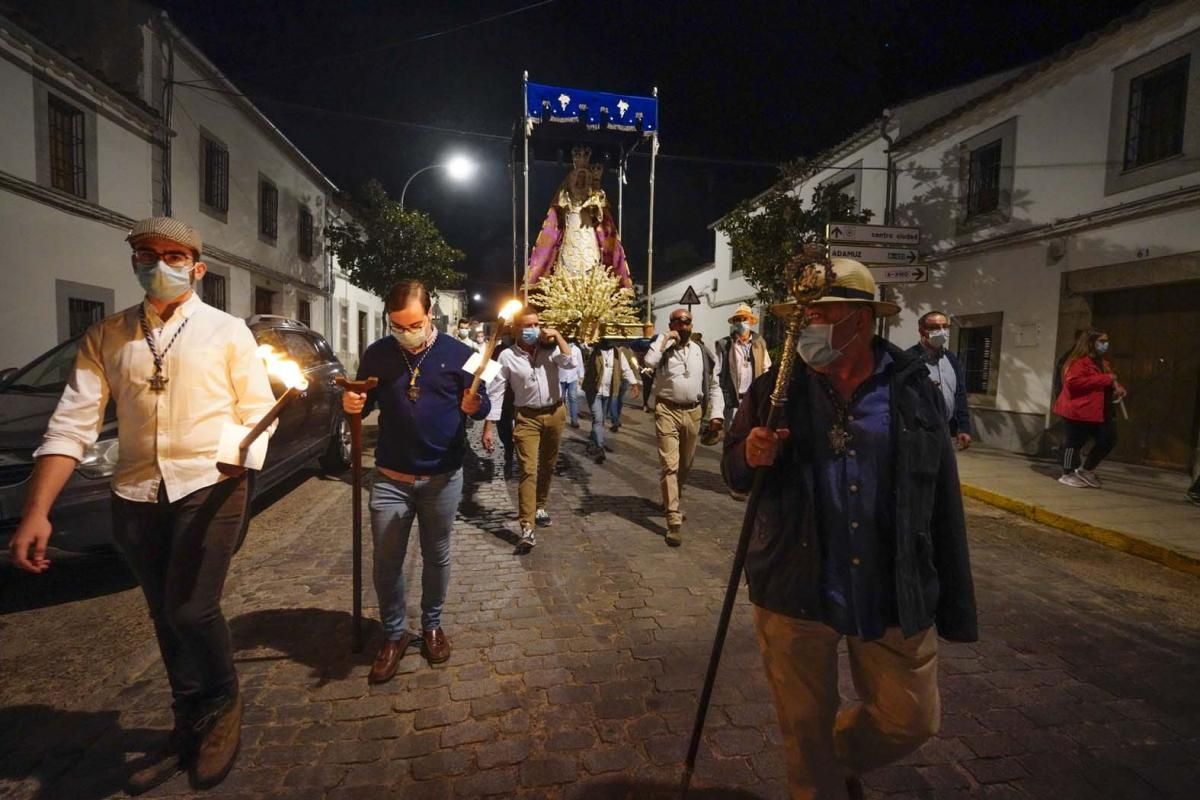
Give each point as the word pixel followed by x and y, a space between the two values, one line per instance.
pixel 477 297
pixel 459 167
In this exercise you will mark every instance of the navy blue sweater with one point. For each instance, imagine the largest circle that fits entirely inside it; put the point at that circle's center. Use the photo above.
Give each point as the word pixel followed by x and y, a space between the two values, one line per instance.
pixel 428 437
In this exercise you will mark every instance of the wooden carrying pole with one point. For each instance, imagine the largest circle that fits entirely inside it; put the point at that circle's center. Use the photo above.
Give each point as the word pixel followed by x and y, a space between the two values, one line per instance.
pixel 358 387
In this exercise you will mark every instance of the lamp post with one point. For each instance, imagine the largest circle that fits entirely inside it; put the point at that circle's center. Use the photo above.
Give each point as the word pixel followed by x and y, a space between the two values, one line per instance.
pixel 460 169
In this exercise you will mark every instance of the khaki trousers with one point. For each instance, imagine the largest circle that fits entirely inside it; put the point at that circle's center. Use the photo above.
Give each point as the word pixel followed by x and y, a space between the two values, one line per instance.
pixel 536 435
pixel 896 679
pixel 677 431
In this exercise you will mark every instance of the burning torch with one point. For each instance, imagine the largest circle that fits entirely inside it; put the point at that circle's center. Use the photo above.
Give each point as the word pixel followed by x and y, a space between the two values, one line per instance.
pixel 237 445
pixel 480 367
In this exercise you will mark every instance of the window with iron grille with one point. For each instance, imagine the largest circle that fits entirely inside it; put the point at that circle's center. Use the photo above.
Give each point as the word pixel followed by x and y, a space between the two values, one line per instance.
pixel 212 290
pixel 268 209
pixel 983 188
pixel 82 313
pixel 975 352
pixel 304 312
pixel 215 184
pixel 1157 101
pixel 305 229
pixel 68 168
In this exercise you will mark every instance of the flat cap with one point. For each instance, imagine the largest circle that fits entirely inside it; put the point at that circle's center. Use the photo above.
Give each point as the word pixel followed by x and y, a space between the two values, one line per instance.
pixel 168 228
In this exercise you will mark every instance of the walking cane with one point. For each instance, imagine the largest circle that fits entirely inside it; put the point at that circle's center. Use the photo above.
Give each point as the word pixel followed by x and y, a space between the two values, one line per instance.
pixel 809 276
pixel 358 387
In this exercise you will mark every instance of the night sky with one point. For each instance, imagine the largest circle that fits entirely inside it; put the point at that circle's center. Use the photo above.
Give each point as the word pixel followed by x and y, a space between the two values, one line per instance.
pixel 742 86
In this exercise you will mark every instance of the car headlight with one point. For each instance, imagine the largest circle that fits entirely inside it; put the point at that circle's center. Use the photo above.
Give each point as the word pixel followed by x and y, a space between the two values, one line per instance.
pixel 99 459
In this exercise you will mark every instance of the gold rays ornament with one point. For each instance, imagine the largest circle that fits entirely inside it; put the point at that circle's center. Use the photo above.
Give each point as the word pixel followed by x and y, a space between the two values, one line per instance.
pixel 585 305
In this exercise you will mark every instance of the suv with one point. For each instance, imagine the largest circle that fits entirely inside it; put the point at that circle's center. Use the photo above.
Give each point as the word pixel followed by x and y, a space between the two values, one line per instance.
pixel 311 426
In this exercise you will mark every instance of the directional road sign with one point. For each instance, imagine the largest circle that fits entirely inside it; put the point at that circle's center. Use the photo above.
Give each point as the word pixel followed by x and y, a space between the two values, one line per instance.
pixel 878 235
pixel 874 255
pixel 899 274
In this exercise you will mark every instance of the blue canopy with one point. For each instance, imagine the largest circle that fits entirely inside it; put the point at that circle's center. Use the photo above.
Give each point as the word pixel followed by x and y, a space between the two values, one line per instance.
pixel 596 110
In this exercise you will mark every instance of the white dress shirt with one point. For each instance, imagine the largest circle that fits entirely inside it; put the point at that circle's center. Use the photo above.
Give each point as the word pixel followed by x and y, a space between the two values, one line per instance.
pixel 534 379
pixel 681 378
pixel 169 437
pixel 571 374
pixel 607 357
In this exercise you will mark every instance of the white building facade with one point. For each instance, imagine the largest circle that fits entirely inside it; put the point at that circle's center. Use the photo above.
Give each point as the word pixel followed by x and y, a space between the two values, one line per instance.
pixel 1067 199
pixel 83 156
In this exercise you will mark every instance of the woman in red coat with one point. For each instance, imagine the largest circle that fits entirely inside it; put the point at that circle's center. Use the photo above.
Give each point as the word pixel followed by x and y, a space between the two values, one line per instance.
pixel 1089 389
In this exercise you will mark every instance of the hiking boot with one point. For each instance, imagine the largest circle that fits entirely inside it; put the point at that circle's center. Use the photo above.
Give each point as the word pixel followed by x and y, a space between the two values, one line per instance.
pixel 220 735
pixel 674 536
pixel 542 518
pixel 1089 477
pixel 1073 480
pixel 165 762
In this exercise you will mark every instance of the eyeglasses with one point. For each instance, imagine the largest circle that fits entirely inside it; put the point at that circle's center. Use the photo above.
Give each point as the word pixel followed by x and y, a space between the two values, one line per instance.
pixel 172 258
pixel 414 328
pixel 681 320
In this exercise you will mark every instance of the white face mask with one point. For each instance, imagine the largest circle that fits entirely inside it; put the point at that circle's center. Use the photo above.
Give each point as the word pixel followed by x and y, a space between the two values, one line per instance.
pixel 741 327
pixel 815 344
pixel 939 338
pixel 464 333
pixel 164 282
pixel 410 340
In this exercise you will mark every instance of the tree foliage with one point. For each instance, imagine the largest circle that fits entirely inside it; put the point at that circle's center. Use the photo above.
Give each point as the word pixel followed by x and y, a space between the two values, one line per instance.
pixel 385 243
pixel 765 232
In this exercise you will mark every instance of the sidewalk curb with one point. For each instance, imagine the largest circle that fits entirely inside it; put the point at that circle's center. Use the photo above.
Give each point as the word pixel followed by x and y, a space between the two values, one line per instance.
pixel 1105 536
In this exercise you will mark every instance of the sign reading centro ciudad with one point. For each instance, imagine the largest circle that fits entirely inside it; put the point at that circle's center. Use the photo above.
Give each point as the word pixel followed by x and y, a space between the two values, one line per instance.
pixel 889 251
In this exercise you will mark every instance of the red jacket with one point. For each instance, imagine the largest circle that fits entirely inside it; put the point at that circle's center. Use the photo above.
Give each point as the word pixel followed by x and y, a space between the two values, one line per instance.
pixel 1083 391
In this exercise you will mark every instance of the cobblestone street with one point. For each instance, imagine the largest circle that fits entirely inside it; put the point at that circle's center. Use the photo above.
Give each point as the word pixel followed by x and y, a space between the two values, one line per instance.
pixel 576 668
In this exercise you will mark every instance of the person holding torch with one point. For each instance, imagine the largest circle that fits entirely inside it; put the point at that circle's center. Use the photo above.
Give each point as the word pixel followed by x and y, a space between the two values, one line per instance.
pixel 858 534
pixel 178 372
pixel 424 398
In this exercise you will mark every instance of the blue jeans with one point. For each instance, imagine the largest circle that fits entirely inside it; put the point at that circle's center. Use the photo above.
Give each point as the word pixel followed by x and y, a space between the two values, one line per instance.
pixel 614 406
pixel 598 403
pixel 433 502
pixel 568 393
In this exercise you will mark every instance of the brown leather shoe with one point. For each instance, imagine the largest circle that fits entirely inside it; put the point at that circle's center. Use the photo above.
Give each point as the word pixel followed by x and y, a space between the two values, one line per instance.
pixel 220 733
pixel 674 535
pixel 437 646
pixel 854 788
pixel 387 660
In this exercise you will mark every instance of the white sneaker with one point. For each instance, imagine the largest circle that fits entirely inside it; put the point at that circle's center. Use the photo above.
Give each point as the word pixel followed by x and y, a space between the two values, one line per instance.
pixel 1089 477
pixel 528 539
pixel 541 518
pixel 1073 480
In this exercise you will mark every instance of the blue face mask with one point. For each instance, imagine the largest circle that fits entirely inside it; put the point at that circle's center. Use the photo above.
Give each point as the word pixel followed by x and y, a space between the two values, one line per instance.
pixel 162 282
pixel 741 327
pixel 530 335
pixel 1101 348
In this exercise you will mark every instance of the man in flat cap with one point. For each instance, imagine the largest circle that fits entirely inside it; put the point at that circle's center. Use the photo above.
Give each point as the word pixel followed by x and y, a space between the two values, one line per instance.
pixel 859 535
pixel 177 370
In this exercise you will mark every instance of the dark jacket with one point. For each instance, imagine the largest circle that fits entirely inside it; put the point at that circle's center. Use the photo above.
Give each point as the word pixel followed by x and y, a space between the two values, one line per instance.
pixel 961 421
pixel 932 571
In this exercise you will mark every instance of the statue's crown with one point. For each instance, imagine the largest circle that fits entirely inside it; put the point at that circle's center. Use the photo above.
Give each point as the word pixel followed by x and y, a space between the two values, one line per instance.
pixel 580 156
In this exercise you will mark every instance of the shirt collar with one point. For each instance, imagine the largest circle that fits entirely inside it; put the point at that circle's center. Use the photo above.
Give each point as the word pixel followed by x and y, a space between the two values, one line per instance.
pixel 183 310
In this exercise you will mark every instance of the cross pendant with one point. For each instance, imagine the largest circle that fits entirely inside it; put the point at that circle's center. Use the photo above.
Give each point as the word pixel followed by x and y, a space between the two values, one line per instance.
pixel 414 392
pixel 838 438
pixel 158 382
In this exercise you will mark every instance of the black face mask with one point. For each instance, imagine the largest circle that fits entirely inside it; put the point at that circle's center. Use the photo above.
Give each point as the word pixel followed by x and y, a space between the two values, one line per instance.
pixel 684 334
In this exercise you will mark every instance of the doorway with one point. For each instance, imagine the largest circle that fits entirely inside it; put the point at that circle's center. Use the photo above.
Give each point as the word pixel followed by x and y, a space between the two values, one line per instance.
pixel 1154 333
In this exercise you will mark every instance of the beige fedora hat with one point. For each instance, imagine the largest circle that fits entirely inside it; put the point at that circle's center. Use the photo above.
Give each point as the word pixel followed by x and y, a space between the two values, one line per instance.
pixel 745 311
pixel 853 283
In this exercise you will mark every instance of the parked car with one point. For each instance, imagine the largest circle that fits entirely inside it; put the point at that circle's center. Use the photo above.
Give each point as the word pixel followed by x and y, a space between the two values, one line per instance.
pixel 311 426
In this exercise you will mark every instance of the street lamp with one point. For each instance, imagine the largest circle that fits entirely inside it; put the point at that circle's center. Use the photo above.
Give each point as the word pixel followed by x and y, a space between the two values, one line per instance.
pixel 460 168
pixel 477 297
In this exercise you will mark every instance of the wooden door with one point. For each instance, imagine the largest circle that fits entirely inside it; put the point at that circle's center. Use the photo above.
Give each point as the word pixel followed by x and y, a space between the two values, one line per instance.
pixel 1155 352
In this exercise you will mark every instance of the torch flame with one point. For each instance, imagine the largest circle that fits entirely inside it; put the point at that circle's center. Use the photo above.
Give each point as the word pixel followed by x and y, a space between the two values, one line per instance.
pixel 285 369
pixel 510 310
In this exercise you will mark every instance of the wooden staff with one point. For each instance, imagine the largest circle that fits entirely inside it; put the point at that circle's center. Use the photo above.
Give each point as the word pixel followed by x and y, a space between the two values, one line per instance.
pixel 358 387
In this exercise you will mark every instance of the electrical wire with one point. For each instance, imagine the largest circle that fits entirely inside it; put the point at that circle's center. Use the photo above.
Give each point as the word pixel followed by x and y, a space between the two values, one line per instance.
pixel 384 48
